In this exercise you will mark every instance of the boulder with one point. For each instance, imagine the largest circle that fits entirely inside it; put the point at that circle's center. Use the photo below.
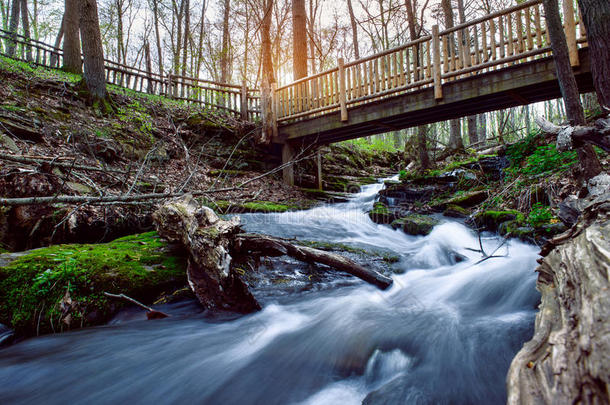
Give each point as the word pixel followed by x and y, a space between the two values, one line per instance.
pixel 466 200
pixel 491 220
pixel 455 211
pixel 415 224
pixel 566 362
pixel 381 214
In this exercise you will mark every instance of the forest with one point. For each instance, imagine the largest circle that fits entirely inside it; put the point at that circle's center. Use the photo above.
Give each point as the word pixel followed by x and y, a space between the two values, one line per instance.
pixel 304 201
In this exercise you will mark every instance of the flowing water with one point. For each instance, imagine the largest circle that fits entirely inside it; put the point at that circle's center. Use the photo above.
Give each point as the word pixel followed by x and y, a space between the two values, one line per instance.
pixel 445 332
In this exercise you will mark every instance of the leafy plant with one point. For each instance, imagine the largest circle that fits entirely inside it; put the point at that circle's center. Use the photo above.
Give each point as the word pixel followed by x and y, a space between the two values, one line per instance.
pixel 539 215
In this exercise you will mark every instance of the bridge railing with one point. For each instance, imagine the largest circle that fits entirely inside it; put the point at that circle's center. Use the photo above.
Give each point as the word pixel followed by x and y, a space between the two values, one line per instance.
pixel 228 98
pixel 514 35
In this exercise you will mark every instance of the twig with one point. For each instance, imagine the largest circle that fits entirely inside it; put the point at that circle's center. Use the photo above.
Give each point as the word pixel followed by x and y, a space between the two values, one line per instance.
pixel 138 303
pixel 53 162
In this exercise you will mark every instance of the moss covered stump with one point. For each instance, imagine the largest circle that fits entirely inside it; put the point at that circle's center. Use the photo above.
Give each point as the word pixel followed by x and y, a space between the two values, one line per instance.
pixel 62 287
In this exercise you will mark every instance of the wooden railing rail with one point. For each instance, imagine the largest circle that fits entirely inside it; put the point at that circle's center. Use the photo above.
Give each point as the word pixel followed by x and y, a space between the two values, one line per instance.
pixel 501 39
pixel 229 98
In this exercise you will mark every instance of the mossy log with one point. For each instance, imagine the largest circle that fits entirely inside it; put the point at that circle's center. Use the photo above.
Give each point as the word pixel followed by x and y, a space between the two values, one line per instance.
pixel 212 243
pixel 566 362
pixel 264 245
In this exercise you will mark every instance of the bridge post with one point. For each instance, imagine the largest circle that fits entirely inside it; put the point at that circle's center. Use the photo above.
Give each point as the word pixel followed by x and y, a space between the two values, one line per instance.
pixel 342 95
pixel 288 170
pixel 436 51
pixel 570 29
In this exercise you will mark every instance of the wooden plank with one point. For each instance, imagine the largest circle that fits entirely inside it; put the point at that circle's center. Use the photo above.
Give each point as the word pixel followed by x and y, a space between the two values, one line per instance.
pixel 401 67
pixel 475 39
pixel 509 30
pixel 395 76
pixel 383 72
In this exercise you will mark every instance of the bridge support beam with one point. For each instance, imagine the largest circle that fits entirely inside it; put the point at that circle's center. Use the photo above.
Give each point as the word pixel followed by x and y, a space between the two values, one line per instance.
pixel 288 171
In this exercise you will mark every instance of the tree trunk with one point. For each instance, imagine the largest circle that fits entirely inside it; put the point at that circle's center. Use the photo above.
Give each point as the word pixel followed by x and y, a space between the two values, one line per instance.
pixel 187 33
pixel 482 129
pixel 13 27
pixel 60 35
pixel 299 39
pixel 596 16
pixel 472 130
pixel 151 85
pixel 158 36
pixel 455 135
pixel 267 114
pixel 25 21
pixel 93 53
pixel 72 53
pixel 567 82
pixel 354 25
pixel 201 33
pixel 224 56
pixel 422 147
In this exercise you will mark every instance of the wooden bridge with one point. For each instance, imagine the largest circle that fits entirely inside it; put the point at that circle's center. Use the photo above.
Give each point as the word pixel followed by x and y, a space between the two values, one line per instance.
pixel 498 61
pixel 494 62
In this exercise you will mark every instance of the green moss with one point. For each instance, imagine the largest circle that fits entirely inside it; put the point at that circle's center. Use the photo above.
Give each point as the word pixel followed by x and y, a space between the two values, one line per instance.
pixel 415 224
pixel 32 285
pixel 226 207
pixel 266 206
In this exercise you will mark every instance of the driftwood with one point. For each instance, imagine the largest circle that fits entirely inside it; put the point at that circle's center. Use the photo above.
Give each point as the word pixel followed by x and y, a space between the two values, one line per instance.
pixel 150 314
pixel 269 246
pixel 569 137
pixel 213 242
pixel 566 362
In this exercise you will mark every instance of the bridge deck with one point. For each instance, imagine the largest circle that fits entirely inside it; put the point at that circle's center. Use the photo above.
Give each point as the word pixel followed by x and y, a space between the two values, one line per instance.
pixel 512 86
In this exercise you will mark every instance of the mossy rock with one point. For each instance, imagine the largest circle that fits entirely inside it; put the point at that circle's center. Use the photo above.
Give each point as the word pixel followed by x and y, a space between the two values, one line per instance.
pixel 415 224
pixel 33 284
pixel 455 211
pixel 229 207
pixel 326 196
pixel 465 200
pixel 491 220
pixel 381 214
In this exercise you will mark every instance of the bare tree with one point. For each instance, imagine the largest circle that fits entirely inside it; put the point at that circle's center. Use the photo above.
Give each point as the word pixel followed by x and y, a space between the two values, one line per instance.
pixel 224 53
pixel 299 39
pixel 72 52
pixel 93 55
pixel 455 136
pixel 11 43
pixel 596 16
pixel 354 25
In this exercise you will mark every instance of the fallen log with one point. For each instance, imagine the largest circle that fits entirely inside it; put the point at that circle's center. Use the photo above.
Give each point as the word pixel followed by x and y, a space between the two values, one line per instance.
pixel 264 245
pixel 212 242
pixel 569 137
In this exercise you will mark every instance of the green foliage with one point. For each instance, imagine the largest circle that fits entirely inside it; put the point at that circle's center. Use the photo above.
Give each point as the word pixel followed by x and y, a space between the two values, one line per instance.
pixel 136 114
pixel 547 159
pixel 14 66
pixel 32 286
pixel 539 215
pixel 518 151
pixel 373 144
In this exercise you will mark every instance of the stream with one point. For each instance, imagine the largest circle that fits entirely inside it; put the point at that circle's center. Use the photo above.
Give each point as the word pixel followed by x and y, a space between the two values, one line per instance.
pixel 444 333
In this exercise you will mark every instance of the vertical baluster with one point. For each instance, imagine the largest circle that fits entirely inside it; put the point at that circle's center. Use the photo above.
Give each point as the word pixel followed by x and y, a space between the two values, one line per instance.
pixel 570 31
pixel 357 80
pixel 401 67
pixel 509 30
pixel 436 48
pixel 538 26
pixel 395 71
pixel 388 71
pixel 382 72
pixel 371 78
pixel 342 91
pixel 485 53
pixel 475 40
pixel 528 29
pixel 492 39
pixel 348 83
pixel 501 34
pixel 428 59
pixel 445 54
pixel 376 75
pixel 520 34
pixel 408 64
